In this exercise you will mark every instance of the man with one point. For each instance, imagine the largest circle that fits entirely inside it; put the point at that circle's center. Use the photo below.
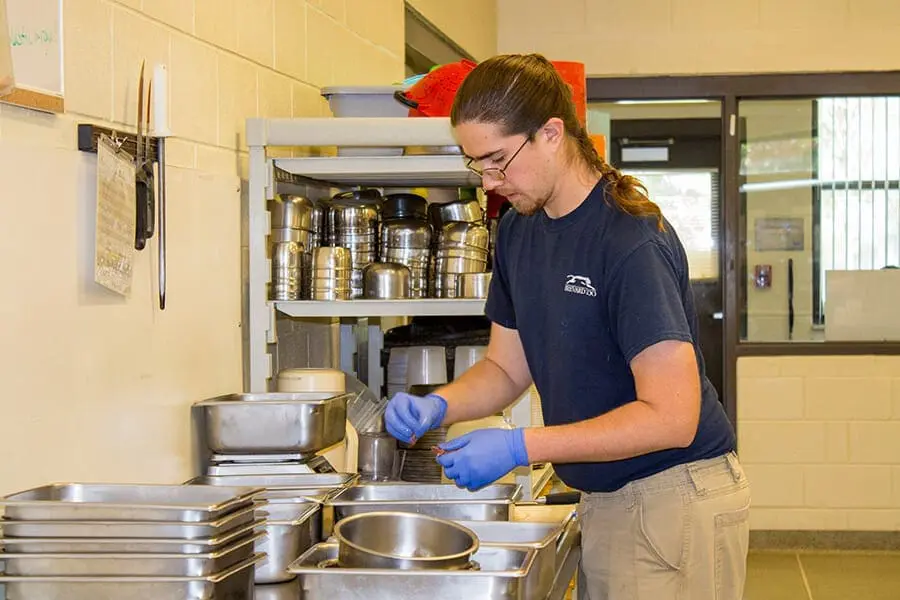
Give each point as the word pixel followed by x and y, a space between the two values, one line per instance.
pixel 591 300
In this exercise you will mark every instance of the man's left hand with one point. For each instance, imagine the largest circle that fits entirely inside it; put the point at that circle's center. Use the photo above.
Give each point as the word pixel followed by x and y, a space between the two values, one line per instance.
pixel 482 457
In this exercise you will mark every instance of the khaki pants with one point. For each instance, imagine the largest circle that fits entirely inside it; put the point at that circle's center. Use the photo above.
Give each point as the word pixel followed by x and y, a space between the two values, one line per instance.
pixel 678 535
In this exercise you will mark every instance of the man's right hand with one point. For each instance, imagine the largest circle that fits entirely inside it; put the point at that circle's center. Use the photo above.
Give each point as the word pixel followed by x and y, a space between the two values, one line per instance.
pixel 409 417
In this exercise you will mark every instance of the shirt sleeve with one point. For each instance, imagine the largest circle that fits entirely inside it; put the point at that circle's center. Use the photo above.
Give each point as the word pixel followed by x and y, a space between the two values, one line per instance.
pixel 499 306
pixel 646 302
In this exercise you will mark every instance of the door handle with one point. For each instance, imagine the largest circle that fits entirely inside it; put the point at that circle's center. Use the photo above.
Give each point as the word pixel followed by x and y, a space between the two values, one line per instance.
pixel 718 316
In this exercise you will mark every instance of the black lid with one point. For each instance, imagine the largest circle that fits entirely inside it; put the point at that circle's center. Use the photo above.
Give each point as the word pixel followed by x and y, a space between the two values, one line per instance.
pixel 404 206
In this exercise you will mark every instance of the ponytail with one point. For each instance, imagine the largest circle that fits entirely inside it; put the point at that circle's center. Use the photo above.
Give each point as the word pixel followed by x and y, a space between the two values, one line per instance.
pixel 626 192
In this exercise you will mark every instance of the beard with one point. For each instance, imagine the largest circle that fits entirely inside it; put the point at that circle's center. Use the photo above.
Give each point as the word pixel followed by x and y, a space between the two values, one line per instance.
pixel 527 206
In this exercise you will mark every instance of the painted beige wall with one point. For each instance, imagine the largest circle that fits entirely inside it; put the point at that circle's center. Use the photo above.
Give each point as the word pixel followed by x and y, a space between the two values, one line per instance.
pixel 820 439
pixel 470 23
pixel 666 37
pixel 98 387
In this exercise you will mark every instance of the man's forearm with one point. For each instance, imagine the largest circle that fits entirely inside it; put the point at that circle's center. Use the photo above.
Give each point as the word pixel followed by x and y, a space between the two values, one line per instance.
pixel 631 430
pixel 483 390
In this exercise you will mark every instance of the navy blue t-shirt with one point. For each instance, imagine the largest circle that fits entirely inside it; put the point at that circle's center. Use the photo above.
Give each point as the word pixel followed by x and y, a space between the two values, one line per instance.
pixel 587 293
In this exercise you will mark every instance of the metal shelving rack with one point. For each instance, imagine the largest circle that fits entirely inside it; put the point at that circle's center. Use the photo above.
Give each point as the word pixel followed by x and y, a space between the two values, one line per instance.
pixel 360 330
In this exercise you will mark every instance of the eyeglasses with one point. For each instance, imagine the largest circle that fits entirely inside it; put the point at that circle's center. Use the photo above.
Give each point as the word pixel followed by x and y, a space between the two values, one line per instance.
pixel 496 173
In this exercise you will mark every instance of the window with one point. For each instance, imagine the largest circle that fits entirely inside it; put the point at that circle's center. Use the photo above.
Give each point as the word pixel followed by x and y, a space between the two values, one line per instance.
pixel 856 204
pixel 689 199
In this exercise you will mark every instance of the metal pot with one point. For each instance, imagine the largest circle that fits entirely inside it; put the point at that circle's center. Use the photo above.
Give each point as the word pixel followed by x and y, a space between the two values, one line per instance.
pixel 405 541
pixel 331 258
pixel 473 285
pixel 386 281
pixel 367 197
pixel 405 234
pixel 465 234
pixel 461 211
pixel 291 212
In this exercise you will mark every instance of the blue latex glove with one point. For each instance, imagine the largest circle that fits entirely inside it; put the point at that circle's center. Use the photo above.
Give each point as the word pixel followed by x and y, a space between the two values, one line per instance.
pixel 407 415
pixel 482 457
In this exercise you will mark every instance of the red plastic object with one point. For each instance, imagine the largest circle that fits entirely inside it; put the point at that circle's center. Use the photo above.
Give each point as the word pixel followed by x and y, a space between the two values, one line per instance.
pixel 573 74
pixel 432 96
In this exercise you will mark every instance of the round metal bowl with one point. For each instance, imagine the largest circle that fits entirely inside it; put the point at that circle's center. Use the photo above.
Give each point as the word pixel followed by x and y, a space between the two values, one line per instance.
pixel 386 281
pixel 473 285
pixel 405 541
pixel 291 212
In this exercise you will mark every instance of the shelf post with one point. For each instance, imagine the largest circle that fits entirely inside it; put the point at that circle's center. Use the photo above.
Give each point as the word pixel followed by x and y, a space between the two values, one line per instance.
pixel 259 275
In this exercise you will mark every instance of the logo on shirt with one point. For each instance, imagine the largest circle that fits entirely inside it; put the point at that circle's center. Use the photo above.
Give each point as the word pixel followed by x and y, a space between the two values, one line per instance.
pixel 579 284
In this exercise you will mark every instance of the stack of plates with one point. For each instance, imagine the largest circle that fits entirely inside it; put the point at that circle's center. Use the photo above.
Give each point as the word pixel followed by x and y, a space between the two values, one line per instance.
pixel 396 372
pixel 419 464
pixel 81 541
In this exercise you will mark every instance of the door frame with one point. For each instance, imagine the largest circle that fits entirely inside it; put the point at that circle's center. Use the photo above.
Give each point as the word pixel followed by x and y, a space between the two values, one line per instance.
pixel 729 90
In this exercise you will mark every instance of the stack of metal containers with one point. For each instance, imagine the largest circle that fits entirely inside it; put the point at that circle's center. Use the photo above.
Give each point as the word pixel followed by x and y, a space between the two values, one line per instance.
pixel 332 268
pixel 90 541
pixel 462 248
pixel 406 238
pixel 353 219
pixel 296 226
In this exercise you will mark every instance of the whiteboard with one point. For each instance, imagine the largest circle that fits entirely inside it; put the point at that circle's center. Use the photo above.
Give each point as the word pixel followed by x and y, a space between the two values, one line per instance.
pixel 35 37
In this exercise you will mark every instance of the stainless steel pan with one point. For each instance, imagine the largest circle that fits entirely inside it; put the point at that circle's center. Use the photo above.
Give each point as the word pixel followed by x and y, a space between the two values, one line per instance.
pixel 119 502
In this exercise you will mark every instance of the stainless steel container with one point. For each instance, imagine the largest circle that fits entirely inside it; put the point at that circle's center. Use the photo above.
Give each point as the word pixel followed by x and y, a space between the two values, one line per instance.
pixel 280 591
pixel 465 235
pixel 277 481
pixel 405 234
pixel 378 458
pixel 386 281
pixel 492 503
pixel 291 530
pixel 461 265
pixel 461 211
pixel 502 574
pixel 473 285
pixel 162 545
pixel 445 285
pixel 540 537
pixel 274 423
pixel 332 258
pixel 353 223
pixel 291 212
pixel 235 583
pixel 403 541
pixel 122 502
pixel 130 565
pixel 287 271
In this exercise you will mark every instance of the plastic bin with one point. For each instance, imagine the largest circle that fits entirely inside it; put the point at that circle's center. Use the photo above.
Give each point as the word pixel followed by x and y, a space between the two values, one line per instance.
pixel 365 101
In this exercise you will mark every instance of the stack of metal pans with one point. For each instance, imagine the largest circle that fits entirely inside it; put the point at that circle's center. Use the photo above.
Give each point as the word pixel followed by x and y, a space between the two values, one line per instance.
pixel 408 242
pixel 295 519
pixel 294 235
pixel 88 541
pixel 353 219
pixel 332 268
pixel 462 248
pixel 288 273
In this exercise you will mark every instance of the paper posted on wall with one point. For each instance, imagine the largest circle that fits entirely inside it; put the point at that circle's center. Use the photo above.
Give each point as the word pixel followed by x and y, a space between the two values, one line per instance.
pixel 114 249
pixel 7 81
